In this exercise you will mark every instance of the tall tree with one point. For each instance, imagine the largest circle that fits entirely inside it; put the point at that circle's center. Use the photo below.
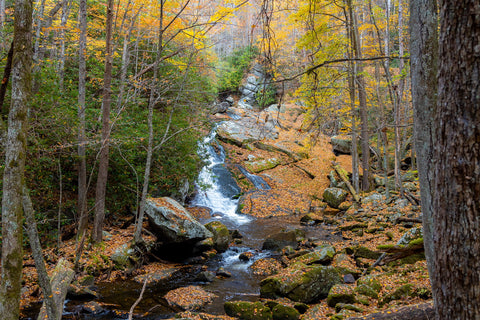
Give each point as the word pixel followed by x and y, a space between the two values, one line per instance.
pixel 101 187
pixel 82 139
pixel 456 207
pixel 424 65
pixel 13 178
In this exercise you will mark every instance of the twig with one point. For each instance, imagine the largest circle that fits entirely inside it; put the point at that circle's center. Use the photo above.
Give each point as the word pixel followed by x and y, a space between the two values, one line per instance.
pixel 130 314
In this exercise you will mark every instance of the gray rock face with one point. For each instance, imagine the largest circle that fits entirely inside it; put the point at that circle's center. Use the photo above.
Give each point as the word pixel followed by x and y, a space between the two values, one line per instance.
pixel 246 130
pixel 172 223
pixel 334 196
pixel 221 236
pixel 342 144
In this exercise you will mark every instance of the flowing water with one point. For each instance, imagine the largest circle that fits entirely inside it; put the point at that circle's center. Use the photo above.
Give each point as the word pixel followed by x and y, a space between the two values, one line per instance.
pixel 219 192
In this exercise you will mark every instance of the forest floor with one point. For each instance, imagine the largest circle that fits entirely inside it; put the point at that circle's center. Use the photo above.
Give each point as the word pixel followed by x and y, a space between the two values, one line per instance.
pixel 362 228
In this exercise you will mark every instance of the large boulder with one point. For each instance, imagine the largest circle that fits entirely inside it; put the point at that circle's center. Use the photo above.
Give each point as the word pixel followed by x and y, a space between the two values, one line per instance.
pixel 172 223
pixel 220 107
pixel 334 196
pixel 221 236
pixel 342 143
pixel 280 240
pixel 246 130
pixel 301 283
pixel 321 255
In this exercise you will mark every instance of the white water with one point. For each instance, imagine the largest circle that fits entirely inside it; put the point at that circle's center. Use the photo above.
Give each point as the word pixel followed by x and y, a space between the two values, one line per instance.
pixel 216 193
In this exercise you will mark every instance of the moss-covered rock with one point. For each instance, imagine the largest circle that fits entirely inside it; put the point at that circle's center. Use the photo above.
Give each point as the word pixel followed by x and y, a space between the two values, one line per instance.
pixel 282 312
pixel 371 281
pixel 322 255
pixel 340 293
pixel 262 165
pixel 301 283
pixel 245 310
pixel 364 252
pixel 334 196
pixel 345 306
pixel 366 291
pixel 221 235
pixel 401 292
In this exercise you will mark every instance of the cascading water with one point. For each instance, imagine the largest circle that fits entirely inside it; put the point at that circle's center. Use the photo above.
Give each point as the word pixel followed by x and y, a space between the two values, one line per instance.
pixel 216 186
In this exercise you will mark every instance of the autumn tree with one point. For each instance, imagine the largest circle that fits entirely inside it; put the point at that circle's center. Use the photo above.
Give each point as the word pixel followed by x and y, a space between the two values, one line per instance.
pixel 456 184
pixel 13 178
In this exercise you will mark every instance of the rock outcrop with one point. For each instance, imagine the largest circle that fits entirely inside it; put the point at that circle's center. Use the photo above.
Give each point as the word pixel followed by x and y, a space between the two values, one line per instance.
pixel 172 223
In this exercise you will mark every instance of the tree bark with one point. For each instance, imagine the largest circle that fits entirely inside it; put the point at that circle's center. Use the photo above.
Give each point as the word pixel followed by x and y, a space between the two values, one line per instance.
pixel 424 65
pixel 101 187
pixel 13 177
pixel 6 76
pixel 82 139
pixel 456 185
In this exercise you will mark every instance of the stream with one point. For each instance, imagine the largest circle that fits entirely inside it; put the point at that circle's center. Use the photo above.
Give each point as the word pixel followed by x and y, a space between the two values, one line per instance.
pixel 219 192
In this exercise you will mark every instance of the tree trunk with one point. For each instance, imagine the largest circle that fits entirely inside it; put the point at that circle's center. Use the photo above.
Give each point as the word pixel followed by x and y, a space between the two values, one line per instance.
pixel 13 177
pixel 6 76
pixel 456 185
pixel 424 65
pixel 146 178
pixel 82 165
pixel 104 148
pixel 362 98
pixel 63 26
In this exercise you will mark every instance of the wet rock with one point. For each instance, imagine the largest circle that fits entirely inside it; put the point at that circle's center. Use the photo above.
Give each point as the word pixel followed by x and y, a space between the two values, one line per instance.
pixel 247 310
pixel 93 308
pixel 334 196
pixel 280 240
pixel 282 312
pixel 205 276
pixel 301 283
pixel 172 223
pixel 246 256
pixel 221 272
pixel 157 277
pixel 221 235
pixel 321 255
pixel 79 292
pixel 340 293
pixel 189 298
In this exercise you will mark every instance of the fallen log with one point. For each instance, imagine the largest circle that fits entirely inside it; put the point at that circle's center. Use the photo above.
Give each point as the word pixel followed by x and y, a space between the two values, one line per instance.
pixel 342 173
pixel 424 311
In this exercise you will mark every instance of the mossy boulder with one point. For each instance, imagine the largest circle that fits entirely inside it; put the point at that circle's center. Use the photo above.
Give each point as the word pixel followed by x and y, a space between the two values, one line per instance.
pixel 345 306
pixel 282 312
pixel 301 283
pixel 364 252
pixel 245 310
pixel 340 293
pixel 283 239
pixel 262 165
pixel 221 235
pixel 121 256
pixel 400 293
pixel 371 281
pixel 366 290
pixel 321 255
pixel 334 196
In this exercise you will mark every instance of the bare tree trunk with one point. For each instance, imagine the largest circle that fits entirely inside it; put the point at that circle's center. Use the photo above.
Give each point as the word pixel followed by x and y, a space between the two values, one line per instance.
pixel 15 153
pixel 424 66
pixel 82 139
pixel 2 24
pixel 43 279
pixel 456 183
pixel 362 97
pixel 146 178
pixel 63 25
pixel 104 151
pixel 38 31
